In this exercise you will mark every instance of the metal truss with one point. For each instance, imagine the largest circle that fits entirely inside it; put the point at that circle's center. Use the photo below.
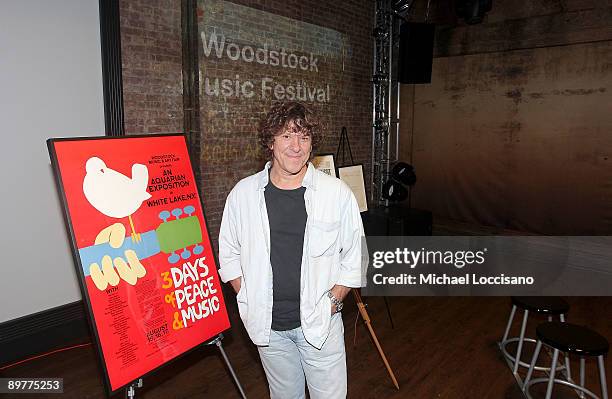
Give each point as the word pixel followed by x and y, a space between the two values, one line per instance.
pixel 381 81
pixel 385 93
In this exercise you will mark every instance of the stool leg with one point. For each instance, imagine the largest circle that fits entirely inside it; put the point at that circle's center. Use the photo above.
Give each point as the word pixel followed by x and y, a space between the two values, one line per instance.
pixel 520 343
pixel 534 360
pixel 567 360
pixel 582 375
pixel 567 366
pixel 602 377
pixel 509 323
pixel 553 369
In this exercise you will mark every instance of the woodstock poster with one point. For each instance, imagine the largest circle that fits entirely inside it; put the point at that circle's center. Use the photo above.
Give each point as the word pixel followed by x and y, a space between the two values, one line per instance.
pixel 147 271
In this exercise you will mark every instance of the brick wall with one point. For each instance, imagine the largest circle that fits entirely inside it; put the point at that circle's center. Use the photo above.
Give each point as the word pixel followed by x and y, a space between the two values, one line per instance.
pixel 338 34
pixel 152 65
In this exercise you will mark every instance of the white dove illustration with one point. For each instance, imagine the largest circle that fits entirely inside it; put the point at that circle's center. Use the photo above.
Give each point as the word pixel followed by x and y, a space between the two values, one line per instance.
pixel 113 193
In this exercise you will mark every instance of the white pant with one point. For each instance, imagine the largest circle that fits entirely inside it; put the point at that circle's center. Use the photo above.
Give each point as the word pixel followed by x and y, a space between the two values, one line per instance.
pixel 289 358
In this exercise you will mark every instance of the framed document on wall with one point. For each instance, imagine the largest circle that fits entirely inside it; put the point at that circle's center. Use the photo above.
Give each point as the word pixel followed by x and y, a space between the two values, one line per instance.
pixel 325 163
pixel 353 177
pixel 146 268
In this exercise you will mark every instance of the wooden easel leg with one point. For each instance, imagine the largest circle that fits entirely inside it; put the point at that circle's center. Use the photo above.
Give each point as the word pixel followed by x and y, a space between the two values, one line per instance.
pixel 355 328
pixel 366 319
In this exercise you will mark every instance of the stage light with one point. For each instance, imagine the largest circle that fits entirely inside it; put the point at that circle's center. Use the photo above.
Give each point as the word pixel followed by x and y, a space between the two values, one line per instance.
pixel 394 191
pixel 380 32
pixel 402 5
pixel 402 175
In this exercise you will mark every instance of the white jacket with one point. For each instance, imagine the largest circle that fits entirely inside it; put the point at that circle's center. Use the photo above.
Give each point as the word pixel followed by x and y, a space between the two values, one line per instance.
pixel 331 253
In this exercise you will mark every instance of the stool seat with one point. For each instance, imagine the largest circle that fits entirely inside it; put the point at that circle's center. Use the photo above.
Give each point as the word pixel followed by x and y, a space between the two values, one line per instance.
pixel 572 338
pixel 550 305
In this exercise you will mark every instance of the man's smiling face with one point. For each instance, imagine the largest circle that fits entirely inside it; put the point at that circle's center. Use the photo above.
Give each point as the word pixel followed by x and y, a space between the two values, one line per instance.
pixel 291 150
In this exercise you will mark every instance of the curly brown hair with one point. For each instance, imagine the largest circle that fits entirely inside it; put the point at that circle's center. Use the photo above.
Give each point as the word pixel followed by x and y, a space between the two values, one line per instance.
pixel 280 116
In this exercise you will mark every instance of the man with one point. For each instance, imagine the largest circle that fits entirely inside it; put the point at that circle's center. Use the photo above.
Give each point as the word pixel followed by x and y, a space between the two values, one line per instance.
pixel 290 246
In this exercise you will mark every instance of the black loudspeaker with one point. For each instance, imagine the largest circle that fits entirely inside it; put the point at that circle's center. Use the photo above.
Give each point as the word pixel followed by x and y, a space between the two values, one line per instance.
pixel 416 52
pixel 473 11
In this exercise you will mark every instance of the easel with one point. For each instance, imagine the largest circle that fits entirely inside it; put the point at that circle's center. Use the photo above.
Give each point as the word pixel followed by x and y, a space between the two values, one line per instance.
pixel 344 144
pixel 217 341
pixel 130 391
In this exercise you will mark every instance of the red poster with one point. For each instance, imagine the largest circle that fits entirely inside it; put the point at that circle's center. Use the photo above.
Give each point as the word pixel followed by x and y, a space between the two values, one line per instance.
pixel 142 250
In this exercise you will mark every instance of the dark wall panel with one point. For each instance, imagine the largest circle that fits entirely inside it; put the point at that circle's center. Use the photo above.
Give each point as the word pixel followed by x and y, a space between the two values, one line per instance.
pixel 517 139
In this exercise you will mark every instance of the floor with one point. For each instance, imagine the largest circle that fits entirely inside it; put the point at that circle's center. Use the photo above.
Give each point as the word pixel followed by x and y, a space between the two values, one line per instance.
pixel 438 348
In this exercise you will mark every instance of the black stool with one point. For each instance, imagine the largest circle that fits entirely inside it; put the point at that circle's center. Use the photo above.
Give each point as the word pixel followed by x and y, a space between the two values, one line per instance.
pixel 568 338
pixel 551 306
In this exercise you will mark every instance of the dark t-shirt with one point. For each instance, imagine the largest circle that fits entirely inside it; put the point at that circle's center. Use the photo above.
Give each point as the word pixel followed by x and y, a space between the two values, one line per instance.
pixel 287 218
